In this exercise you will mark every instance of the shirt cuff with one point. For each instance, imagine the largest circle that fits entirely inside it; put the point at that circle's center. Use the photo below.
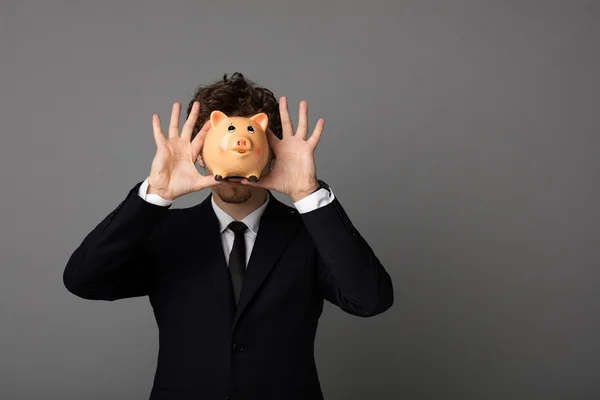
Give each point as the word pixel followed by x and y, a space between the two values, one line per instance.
pixel 318 199
pixel 152 197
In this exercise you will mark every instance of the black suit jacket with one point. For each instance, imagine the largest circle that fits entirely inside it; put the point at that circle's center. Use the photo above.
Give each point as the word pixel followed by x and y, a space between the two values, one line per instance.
pixel 208 348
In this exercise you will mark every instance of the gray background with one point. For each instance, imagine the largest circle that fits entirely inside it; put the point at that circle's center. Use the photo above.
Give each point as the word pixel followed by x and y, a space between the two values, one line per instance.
pixel 461 136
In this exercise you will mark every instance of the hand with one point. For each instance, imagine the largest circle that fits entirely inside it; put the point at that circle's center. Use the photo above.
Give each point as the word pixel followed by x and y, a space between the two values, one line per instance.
pixel 173 171
pixel 294 172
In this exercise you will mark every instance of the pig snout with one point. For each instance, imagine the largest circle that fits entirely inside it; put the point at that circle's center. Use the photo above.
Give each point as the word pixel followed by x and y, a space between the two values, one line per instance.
pixel 241 144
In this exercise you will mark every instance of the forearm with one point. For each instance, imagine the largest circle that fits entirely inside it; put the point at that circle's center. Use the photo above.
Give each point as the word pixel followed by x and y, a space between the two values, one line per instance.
pixel 351 274
pixel 108 264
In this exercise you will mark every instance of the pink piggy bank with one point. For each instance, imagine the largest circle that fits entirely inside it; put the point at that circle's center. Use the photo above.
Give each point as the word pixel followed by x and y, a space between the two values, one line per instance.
pixel 236 147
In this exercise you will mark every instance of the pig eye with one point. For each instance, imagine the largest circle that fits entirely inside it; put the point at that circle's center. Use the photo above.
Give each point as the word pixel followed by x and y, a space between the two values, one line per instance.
pixel 231 128
pixel 250 129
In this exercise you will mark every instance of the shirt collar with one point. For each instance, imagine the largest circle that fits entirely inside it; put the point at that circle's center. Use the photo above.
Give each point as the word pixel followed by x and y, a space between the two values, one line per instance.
pixel 251 220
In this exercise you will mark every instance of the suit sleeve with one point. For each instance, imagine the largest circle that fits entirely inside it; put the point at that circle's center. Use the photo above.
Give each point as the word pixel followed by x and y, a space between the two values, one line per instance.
pixel 350 274
pixel 115 259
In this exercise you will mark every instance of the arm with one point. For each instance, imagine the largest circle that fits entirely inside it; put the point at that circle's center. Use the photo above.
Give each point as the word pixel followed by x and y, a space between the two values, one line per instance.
pixel 115 259
pixel 350 274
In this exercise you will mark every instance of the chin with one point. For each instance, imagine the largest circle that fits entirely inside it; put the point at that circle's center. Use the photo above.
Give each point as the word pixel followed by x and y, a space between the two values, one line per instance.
pixel 233 194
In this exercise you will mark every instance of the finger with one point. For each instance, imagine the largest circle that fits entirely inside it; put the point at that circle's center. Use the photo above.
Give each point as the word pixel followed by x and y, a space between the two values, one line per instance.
pixel 264 182
pixel 316 135
pixel 245 181
pixel 188 127
pixel 198 141
pixel 206 181
pixel 286 121
pixel 303 120
pixel 159 136
pixel 174 124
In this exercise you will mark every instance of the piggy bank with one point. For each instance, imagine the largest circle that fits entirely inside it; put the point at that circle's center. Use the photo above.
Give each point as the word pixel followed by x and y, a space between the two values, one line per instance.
pixel 236 147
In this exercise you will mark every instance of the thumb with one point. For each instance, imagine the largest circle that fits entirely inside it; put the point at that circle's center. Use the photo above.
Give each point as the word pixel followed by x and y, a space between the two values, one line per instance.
pixel 204 181
pixel 264 182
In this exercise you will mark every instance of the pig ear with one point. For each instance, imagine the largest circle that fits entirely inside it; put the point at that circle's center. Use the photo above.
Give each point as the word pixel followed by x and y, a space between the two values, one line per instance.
pixel 216 117
pixel 262 119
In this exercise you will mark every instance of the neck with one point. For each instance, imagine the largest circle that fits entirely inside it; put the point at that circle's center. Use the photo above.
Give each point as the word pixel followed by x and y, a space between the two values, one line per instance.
pixel 239 211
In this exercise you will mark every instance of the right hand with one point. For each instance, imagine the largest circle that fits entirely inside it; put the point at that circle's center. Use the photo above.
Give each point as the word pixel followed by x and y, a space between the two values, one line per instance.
pixel 173 173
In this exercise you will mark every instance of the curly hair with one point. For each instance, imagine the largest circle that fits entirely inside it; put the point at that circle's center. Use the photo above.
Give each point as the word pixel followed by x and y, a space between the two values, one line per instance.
pixel 236 96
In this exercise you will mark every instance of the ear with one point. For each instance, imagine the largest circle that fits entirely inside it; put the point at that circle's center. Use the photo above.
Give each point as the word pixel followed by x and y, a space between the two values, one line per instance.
pixel 262 119
pixel 216 117
pixel 200 161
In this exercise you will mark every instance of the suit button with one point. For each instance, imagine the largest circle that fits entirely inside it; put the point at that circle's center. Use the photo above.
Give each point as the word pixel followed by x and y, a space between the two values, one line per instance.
pixel 238 348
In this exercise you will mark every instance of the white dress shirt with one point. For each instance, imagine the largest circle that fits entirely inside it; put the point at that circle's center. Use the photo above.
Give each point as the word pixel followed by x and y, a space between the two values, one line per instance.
pixel 320 198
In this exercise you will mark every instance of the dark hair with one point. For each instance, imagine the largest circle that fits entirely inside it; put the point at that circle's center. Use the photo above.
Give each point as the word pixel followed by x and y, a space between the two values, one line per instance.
pixel 236 96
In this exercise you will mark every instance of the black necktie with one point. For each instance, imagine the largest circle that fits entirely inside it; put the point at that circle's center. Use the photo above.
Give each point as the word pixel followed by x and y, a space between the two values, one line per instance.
pixel 237 258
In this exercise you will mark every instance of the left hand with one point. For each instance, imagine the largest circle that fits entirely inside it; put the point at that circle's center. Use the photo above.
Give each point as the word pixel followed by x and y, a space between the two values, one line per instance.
pixel 294 173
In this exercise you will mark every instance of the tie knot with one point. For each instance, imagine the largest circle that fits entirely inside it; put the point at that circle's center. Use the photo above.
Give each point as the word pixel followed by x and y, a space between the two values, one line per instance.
pixel 237 227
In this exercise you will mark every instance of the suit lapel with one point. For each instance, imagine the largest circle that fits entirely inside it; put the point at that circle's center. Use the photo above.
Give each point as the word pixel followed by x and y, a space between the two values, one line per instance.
pixel 277 227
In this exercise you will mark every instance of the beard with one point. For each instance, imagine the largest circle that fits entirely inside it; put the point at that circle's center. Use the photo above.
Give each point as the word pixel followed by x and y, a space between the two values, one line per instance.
pixel 233 194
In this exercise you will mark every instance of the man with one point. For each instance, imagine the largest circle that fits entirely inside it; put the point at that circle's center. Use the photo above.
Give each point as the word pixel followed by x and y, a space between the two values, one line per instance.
pixel 237 283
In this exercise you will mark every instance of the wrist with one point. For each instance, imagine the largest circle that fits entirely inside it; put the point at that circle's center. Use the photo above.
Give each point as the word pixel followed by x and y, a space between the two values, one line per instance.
pixel 160 192
pixel 305 191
